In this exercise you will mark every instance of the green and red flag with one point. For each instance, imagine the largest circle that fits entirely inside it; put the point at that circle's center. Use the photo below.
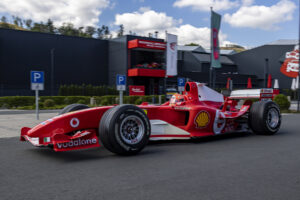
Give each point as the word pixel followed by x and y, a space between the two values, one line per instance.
pixel 215 49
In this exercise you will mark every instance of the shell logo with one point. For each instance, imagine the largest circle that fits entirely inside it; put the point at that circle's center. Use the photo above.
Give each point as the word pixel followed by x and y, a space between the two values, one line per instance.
pixel 202 119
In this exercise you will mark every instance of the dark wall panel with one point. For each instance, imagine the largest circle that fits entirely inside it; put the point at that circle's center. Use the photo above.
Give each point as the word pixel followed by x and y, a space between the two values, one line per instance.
pixel 253 62
pixel 76 60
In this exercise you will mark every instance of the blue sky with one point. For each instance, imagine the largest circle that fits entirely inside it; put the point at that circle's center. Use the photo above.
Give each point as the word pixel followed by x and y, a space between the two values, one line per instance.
pixel 248 23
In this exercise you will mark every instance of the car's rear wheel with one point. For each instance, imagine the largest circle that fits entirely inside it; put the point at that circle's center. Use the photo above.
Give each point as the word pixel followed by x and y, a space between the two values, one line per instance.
pixel 264 117
pixel 73 107
pixel 124 129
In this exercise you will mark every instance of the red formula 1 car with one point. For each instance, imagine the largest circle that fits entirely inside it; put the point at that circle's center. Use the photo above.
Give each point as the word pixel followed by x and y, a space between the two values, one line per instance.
pixel 126 129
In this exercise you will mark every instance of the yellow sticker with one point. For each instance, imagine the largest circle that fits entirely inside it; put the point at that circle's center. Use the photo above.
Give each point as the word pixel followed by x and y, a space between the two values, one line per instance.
pixel 202 119
pixel 146 111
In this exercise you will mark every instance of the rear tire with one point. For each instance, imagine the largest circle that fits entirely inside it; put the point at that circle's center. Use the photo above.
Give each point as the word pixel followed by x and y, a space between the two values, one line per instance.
pixel 264 117
pixel 73 107
pixel 124 129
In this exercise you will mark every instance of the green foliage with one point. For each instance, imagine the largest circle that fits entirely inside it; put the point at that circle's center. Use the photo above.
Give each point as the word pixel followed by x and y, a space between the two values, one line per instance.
pixel 86 90
pixel 69 29
pixel 192 44
pixel 57 102
pixel 49 103
pixel 282 102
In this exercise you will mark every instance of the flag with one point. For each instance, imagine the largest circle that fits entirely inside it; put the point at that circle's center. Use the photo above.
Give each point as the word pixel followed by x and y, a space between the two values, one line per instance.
pixel 228 83
pixel 215 50
pixel 249 84
pixel 269 85
pixel 171 55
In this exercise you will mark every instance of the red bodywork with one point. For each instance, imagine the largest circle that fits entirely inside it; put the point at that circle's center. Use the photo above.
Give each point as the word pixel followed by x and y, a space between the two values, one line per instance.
pixel 189 117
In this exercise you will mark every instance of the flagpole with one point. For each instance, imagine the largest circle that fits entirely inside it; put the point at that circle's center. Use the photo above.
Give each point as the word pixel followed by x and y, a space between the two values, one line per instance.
pixel 298 103
pixel 211 51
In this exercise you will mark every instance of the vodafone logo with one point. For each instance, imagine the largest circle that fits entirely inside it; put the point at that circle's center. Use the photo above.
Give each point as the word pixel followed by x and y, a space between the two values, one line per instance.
pixel 74 122
pixel 76 143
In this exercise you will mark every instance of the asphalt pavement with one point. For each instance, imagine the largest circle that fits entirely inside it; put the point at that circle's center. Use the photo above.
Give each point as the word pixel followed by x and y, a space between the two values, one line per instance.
pixel 236 166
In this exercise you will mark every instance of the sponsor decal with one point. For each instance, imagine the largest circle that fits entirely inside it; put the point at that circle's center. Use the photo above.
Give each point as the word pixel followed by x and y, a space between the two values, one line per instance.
pixel 74 122
pixel 136 90
pixel 173 46
pixel 290 67
pixel 76 143
pixel 146 111
pixel 182 108
pixel 219 122
pixel 202 119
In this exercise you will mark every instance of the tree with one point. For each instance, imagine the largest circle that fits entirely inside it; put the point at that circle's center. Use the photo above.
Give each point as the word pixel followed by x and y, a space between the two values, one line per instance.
pixel 121 31
pixel 3 19
pixel 50 26
pixel 99 33
pixel 106 30
pixel 90 31
pixel 28 23
pixel 68 29
pixel 192 44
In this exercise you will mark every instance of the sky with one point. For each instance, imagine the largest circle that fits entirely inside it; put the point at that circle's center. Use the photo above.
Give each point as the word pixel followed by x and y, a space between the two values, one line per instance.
pixel 249 23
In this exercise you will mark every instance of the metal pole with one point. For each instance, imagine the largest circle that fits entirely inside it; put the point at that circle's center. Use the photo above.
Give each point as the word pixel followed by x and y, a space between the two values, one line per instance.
pixel 37 104
pixel 298 103
pixel 121 97
pixel 211 53
pixel 52 71
pixel 266 72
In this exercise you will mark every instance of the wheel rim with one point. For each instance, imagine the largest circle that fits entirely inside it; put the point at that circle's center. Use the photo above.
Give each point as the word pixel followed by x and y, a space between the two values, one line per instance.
pixel 273 118
pixel 132 130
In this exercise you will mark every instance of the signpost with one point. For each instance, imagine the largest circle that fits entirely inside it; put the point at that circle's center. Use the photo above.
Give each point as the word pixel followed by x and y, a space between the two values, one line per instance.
pixel 37 83
pixel 121 85
pixel 181 83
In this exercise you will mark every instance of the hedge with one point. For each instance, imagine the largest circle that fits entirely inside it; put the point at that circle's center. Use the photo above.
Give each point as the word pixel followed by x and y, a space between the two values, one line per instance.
pixel 57 101
pixel 86 90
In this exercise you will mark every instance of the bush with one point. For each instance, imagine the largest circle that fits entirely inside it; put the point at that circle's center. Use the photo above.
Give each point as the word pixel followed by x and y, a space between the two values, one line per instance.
pixel 138 101
pixel 49 103
pixel 282 101
pixel 81 101
pixel 86 90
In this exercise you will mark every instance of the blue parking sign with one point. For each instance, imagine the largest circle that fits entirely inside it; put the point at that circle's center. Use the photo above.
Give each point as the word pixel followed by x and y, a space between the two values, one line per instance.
pixel 121 82
pixel 37 80
pixel 181 82
pixel 37 77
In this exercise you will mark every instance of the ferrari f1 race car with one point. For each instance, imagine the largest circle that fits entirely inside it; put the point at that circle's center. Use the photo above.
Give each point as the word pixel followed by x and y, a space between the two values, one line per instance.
pixel 126 129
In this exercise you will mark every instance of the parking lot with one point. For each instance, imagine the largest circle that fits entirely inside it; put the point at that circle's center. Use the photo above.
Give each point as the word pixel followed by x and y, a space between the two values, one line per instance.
pixel 234 166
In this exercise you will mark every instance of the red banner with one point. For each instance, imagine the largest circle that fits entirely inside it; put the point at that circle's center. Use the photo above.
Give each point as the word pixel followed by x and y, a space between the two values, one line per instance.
pixel 147 44
pixel 136 90
pixel 290 67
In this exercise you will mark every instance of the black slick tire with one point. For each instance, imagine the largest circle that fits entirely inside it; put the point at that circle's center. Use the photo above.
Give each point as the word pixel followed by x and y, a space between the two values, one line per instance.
pixel 73 107
pixel 264 117
pixel 124 129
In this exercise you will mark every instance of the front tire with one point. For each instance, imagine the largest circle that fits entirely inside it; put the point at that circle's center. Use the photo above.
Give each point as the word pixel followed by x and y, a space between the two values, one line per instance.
pixel 73 107
pixel 124 129
pixel 264 117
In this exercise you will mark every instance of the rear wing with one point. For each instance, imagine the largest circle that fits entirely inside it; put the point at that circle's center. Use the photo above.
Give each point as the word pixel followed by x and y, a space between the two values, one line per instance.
pixel 261 94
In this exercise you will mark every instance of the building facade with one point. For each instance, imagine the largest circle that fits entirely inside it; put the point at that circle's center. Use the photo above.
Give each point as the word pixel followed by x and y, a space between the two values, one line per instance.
pixel 76 60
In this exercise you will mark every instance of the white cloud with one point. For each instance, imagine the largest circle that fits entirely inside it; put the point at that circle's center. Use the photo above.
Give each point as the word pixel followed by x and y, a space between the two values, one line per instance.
pixel 204 5
pixel 145 20
pixel 149 21
pixel 79 12
pixel 200 35
pixel 247 2
pixel 262 17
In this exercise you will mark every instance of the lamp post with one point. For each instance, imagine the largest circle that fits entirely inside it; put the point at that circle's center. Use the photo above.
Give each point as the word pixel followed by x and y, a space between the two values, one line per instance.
pixel 52 71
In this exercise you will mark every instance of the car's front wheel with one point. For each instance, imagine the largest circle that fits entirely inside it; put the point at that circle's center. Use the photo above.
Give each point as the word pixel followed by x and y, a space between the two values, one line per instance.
pixel 124 129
